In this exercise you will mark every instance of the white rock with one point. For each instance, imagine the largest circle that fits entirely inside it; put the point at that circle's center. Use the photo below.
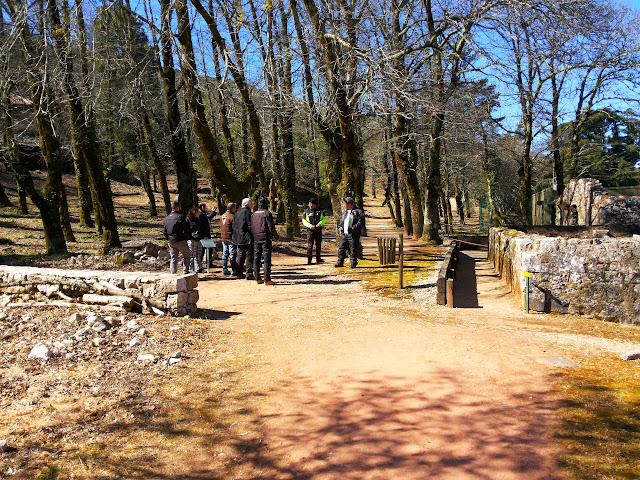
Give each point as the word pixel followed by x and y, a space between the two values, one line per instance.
pixel 69 356
pixel 41 352
pixel 94 318
pixel 3 446
pixel 83 332
pixel 174 328
pixel 146 357
pixel 632 355
pixel 100 341
pixel 177 354
pixel 173 361
pixel 132 325
pixel 142 331
pixel 134 342
pixel 26 318
pixel 165 363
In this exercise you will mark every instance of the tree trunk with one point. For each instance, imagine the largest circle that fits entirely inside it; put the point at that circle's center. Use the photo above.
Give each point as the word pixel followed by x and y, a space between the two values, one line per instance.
pixel 83 136
pixel 65 218
pixel 22 201
pixel 85 201
pixel 145 127
pixel 48 200
pixel 397 202
pixel 288 158
pixel 221 175
pixel 177 147
pixel 4 200
pixel 146 184
pixel 431 221
pixel 406 210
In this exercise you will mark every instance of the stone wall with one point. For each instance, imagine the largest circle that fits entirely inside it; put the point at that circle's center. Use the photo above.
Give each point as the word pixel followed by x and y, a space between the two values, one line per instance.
pixel 586 202
pixel 595 275
pixel 175 294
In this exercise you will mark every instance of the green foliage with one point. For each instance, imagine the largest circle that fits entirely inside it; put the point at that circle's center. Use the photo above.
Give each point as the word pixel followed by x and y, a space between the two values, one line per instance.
pixel 609 146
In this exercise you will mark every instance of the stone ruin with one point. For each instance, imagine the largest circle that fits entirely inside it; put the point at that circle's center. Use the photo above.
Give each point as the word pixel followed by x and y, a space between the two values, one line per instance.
pixel 145 292
pixel 586 202
pixel 589 264
pixel 586 272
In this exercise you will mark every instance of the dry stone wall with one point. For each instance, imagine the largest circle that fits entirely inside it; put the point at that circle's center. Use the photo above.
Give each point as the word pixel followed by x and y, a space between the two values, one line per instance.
pixel 176 294
pixel 597 276
pixel 586 202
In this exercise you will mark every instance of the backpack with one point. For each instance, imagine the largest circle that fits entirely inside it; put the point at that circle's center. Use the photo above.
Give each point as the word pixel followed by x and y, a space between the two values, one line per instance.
pixel 193 229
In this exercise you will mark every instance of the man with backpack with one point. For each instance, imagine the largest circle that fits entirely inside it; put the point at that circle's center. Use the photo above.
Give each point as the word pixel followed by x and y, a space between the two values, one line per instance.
pixel 176 231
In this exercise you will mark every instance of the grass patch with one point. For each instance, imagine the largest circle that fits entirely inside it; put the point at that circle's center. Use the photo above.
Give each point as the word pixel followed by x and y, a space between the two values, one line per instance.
pixel 599 409
pixel 384 278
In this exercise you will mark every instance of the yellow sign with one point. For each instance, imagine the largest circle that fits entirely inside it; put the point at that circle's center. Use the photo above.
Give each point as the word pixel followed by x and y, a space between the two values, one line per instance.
pixel 526 274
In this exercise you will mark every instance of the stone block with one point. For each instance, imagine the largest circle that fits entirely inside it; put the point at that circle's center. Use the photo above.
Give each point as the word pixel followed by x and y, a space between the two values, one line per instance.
pixel 194 296
pixel 177 300
pixel 192 281
pixel 172 285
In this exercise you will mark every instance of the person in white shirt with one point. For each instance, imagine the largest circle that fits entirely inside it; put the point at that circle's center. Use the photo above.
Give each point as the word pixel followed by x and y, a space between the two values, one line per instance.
pixel 350 226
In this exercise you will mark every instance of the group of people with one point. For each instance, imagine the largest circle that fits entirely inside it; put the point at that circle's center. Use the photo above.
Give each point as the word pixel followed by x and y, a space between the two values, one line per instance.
pixel 184 234
pixel 247 237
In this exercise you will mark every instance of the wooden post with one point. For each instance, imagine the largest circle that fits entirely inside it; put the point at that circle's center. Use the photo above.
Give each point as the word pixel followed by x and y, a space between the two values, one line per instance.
pixel 450 292
pixel 401 262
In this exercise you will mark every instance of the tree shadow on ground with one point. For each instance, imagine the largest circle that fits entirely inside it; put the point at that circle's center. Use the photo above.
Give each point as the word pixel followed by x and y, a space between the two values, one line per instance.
pixel 380 427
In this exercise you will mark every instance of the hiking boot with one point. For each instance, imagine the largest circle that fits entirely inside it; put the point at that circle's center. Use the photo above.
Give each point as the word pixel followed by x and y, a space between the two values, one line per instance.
pixel 250 276
pixel 319 260
pixel 353 265
pixel 339 265
pixel 269 282
pixel 259 281
pixel 226 272
pixel 308 260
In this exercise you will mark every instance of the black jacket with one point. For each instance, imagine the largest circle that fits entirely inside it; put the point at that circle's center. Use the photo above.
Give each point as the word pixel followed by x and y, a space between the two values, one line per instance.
pixel 204 226
pixel 356 223
pixel 242 227
pixel 176 228
pixel 262 226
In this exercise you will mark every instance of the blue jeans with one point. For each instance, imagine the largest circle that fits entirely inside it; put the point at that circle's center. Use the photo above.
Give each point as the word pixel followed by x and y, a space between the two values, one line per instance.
pixel 229 253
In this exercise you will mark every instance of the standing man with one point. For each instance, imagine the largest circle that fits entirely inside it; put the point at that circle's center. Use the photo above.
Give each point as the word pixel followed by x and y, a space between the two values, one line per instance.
pixel 243 238
pixel 228 248
pixel 264 230
pixel 204 229
pixel 350 226
pixel 314 218
pixel 176 231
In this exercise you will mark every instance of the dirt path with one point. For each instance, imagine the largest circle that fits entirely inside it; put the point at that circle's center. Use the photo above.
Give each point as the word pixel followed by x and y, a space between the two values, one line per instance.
pixel 344 383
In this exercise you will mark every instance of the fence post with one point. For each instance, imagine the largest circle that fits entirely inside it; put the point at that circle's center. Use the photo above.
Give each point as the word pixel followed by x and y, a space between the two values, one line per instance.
pixel 400 261
pixel 449 287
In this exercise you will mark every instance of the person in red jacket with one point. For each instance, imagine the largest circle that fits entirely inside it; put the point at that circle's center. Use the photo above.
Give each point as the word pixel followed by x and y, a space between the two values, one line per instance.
pixel 264 230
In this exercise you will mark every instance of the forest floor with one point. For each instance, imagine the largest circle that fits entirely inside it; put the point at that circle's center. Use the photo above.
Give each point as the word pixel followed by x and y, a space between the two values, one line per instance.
pixel 330 373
